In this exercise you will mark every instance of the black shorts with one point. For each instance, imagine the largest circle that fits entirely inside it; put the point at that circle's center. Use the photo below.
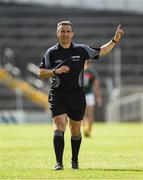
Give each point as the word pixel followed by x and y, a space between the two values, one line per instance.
pixel 71 103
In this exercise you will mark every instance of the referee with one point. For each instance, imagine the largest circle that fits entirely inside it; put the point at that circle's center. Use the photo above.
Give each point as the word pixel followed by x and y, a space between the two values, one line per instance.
pixel 64 62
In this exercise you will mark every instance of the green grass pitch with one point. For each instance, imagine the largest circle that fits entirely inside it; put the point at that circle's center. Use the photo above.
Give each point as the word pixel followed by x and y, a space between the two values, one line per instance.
pixel 115 151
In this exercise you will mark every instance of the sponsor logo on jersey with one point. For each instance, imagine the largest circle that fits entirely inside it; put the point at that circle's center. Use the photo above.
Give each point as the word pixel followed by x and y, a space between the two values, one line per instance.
pixel 75 58
pixel 58 61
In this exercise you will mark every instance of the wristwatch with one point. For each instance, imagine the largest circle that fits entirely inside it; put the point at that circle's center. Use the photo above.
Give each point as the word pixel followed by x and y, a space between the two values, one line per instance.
pixel 113 40
pixel 54 72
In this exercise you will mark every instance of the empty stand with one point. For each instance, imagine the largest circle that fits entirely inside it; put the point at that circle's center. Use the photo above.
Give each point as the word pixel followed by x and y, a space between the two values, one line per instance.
pixel 30 29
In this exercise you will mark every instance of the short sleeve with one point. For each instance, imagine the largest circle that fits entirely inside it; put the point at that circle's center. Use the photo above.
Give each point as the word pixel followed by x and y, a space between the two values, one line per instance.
pixel 93 53
pixel 95 73
pixel 45 63
pixel 42 64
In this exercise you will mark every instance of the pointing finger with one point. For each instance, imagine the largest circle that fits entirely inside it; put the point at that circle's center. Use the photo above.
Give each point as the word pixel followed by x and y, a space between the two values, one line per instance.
pixel 119 27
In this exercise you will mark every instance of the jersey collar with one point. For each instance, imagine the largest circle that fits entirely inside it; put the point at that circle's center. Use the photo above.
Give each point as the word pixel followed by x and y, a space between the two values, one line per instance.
pixel 71 46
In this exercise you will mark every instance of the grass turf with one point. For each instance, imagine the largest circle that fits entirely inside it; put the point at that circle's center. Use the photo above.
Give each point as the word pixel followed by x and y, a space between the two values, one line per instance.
pixel 115 151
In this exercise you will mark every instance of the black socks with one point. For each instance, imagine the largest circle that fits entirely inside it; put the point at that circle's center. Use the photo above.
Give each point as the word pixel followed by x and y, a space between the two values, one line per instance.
pixel 58 142
pixel 75 145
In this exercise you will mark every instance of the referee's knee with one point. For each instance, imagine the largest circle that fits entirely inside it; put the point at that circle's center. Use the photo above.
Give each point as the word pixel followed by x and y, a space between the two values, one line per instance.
pixel 75 132
pixel 59 127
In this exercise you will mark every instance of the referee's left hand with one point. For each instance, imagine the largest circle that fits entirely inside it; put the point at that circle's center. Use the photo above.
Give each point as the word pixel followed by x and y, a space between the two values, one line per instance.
pixel 119 33
pixel 62 69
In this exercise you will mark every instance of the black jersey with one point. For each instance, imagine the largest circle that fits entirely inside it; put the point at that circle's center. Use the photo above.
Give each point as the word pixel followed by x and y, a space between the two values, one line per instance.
pixel 74 57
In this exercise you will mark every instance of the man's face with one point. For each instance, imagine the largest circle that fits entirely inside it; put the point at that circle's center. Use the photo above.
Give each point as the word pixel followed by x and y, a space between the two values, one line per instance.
pixel 65 34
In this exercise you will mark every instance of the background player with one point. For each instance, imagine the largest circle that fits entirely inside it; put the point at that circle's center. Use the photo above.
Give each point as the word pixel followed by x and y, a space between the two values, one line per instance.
pixel 92 95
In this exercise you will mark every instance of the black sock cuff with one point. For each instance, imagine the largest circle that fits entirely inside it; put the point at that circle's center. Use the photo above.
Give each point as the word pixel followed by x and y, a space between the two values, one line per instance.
pixel 76 138
pixel 58 133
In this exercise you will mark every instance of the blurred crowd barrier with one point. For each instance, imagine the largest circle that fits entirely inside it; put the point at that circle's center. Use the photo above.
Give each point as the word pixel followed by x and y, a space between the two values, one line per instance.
pixel 20 117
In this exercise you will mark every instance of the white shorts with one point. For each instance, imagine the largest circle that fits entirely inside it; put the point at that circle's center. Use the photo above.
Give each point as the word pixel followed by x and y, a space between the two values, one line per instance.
pixel 90 99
